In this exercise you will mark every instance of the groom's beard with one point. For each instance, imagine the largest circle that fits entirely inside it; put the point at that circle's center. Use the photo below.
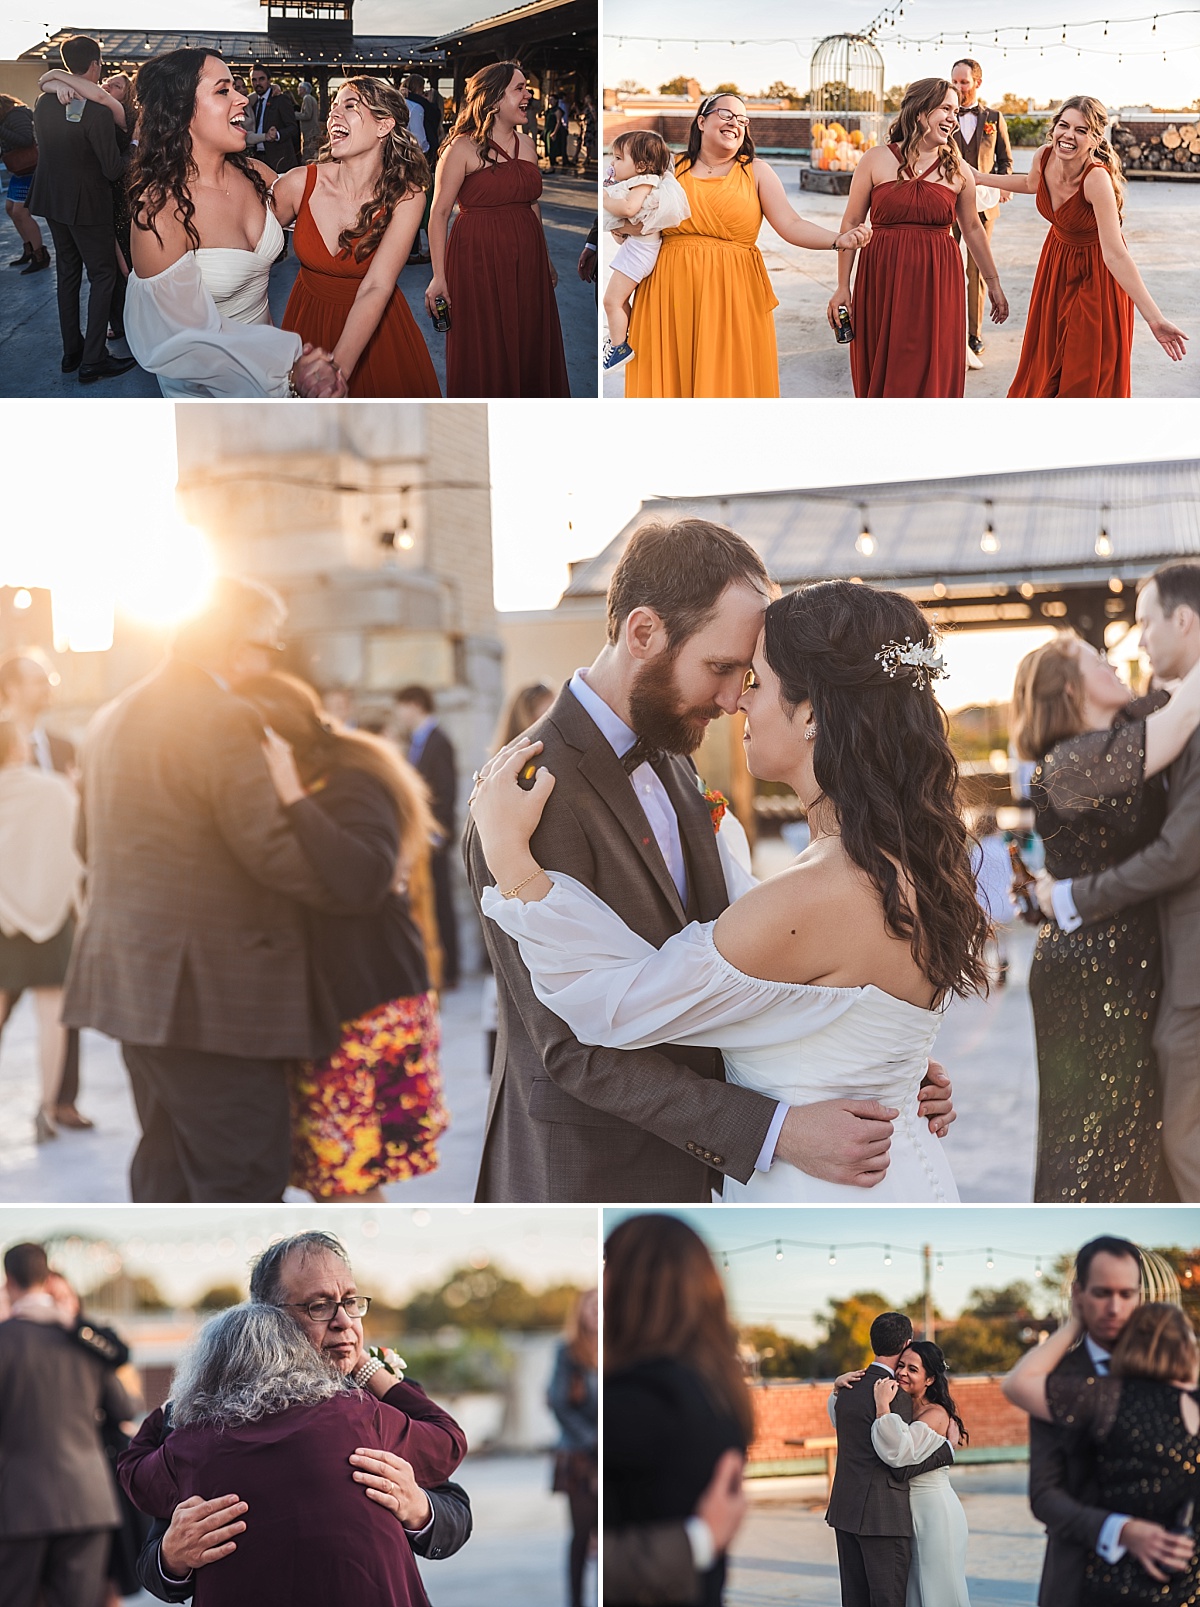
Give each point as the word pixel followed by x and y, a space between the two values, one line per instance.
pixel 658 716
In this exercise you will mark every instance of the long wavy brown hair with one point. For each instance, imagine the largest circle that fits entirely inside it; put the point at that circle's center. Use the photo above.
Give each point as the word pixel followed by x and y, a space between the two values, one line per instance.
pixel 321 745
pixel 663 1297
pixel 405 171
pixel 745 151
pixel 163 168
pixel 919 98
pixel 481 101
pixel 1047 700
pixel 882 758
pixel 1095 115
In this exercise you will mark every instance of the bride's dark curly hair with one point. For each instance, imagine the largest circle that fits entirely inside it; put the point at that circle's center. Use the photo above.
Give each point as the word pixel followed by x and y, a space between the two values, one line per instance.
pixel 933 1360
pixel 405 170
pixel 882 758
pixel 162 169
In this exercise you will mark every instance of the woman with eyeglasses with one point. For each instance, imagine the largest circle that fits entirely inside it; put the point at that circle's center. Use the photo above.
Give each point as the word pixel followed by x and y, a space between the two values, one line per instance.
pixel 257 1409
pixel 703 321
pixel 371 1112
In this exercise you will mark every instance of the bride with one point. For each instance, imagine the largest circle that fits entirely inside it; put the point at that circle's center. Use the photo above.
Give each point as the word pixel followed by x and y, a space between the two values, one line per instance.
pixel 937 1574
pixel 827 980
pixel 203 241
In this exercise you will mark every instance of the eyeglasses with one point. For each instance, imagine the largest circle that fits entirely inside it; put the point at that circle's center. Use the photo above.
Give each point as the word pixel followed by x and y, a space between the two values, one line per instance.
pixel 323 1310
pixel 728 117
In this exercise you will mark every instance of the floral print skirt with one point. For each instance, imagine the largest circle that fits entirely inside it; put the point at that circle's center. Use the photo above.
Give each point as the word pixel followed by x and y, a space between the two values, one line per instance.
pixel 372 1112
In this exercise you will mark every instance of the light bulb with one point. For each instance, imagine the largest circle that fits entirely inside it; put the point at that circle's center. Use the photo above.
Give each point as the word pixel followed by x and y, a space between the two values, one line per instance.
pixel 832 1257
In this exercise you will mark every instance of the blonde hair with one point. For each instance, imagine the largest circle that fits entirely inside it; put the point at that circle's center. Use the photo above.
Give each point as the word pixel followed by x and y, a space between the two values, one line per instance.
pixel 481 101
pixel 919 98
pixel 1095 114
pixel 1047 700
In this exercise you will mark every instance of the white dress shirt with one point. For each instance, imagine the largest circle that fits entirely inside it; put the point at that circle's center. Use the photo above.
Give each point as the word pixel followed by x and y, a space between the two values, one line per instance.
pixel 968 120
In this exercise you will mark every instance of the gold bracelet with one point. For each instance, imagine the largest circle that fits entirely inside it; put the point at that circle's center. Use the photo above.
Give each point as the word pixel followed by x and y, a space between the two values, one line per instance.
pixel 513 891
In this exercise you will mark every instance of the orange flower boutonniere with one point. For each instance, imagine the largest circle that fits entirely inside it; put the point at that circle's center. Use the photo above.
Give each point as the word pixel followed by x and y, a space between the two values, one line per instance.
pixel 717 803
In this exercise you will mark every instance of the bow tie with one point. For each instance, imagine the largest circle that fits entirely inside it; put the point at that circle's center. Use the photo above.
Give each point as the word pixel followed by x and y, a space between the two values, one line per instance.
pixel 968 111
pixel 641 753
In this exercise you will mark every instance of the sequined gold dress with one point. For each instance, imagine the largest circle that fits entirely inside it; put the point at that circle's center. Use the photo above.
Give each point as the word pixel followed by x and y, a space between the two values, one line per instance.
pixel 1095 990
pixel 1145 1465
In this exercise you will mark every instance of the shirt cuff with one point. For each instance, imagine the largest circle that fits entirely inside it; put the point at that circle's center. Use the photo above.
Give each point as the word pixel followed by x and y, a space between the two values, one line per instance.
pixel 766 1154
pixel 589 245
pixel 1109 1546
pixel 1063 904
pixel 704 1551
pixel 416 1534
pixel 172 1579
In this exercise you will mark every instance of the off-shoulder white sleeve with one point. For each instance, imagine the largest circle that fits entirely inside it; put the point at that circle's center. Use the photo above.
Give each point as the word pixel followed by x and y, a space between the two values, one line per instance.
pixel 175 331
pixel 733 846
pixel 614 989
pixel 902 1444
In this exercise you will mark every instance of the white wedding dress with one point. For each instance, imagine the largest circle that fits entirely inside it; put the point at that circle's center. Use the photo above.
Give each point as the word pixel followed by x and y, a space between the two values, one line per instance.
pixel 203 324
pixel 795 1042
pixel 937 1572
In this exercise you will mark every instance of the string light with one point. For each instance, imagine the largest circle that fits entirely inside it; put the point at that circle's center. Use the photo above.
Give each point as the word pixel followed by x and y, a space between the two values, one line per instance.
pixel 887 1255
pixel 866 541
pixel 832 1256
pixel 988 541
pixel 1104 544
pixel 778 1250
pixel 989 1263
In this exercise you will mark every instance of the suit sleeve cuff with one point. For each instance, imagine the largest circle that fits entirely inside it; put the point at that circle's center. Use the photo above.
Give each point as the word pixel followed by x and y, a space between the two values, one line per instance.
pixel 766 1154
pixel 1063 903
pixel 704 1551
pixel 1109 1546
pixel 172 1579
pixel 419 1534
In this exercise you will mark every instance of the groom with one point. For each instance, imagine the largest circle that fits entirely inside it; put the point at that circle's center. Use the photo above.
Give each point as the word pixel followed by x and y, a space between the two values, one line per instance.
pixel 628 818
pixel 1168 611
pixel 868 1508
pixel 982 139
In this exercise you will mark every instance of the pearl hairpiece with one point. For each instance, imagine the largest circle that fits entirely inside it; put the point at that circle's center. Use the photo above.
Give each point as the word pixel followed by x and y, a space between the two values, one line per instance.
pixel 925 662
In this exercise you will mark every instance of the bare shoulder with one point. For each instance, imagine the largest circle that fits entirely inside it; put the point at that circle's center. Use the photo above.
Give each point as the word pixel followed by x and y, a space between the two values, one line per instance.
pixel 157 244
pixel 525 146
pixel 936 1418
pixel 774 932
pixel 461 154
pixel 268 174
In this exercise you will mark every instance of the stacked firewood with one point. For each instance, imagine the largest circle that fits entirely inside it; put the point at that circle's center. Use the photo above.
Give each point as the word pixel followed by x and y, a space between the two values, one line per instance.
pixel 1173 150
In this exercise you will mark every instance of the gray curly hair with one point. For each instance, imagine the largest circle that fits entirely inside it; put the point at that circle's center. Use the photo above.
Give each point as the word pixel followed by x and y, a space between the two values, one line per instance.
pixel 247 1363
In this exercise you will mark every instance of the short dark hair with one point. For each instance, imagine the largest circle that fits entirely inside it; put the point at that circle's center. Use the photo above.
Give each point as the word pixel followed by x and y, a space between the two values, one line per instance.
pixel 79 52
pixel 1104 1245
pixel 266 1271
pixel 421 696
pixel 1178 586
pixel 969 61
pixel 259 68
pixel 26 1265
pixel 680 570
pixel 890 1332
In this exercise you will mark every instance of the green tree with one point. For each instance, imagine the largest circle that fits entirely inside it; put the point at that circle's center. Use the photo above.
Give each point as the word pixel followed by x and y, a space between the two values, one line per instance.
pixel 847 1324
pixel 981 1345
pixel 674 86
pixel 725 89
pixel 893 98
pixel 630 86
pixel 485 1298
pixel 780 1356
pixel 220 1297
pixel 781 91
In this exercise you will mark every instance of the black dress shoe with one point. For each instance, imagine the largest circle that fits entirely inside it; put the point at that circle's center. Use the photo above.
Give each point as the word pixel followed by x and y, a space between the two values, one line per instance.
pixel 26 256
pixel 70 364
pixel 976 345
pixel 110 368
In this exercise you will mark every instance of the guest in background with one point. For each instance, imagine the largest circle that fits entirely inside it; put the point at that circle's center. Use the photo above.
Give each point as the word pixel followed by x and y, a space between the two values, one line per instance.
pixel 19 154
pixel 574 1400
pixel 308 121
pixel 371 1112
pixel 431 752
pixel 273 136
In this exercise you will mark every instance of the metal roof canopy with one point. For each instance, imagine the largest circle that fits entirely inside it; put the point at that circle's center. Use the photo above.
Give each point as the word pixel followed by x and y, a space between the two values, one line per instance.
pixel 135 45
pixel 541 20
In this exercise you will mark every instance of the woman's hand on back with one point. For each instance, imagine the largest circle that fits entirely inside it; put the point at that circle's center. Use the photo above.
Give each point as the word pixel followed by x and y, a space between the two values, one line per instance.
pixel 506 815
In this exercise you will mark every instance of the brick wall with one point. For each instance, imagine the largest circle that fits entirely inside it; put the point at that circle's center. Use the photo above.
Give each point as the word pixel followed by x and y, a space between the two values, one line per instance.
pixel 786 1411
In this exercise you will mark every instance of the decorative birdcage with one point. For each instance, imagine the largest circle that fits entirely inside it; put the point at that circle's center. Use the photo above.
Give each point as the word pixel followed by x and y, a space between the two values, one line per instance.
pixel 846 101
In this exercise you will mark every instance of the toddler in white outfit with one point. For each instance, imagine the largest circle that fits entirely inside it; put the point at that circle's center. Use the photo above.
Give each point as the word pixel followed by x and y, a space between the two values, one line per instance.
pixel 641 188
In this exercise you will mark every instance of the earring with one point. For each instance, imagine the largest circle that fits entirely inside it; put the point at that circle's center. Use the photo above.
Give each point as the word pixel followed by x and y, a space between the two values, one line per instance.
pixel 810 732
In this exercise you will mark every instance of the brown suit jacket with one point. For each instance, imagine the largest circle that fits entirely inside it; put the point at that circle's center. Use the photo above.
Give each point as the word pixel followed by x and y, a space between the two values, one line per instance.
pixel 54 1478
pixel 988 151
pixel 192 935
pixel 1062 1494
pixel 868 1496
pixel 569 1122
pixel 1167 869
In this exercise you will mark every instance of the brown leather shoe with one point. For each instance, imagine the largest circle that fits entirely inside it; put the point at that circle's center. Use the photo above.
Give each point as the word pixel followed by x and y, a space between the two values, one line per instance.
pixel 68 1116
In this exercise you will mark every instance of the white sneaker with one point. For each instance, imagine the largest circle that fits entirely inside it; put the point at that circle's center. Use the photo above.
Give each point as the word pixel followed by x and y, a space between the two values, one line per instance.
pixel 972 360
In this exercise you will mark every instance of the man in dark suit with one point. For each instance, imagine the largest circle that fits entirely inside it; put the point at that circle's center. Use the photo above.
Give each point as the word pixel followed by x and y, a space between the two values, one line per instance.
pixel 869 1504
pixel 627 818
pixel 294 1273
pixel 1107 1290
pixel 79 157
pixel 58 1505
pixel 191 950
pixel 273 134
pixel 982 139
pixel 431 752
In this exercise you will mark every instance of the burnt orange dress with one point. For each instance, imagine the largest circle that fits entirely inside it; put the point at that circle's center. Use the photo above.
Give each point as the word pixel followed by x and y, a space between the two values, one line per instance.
pixel 395 361
pixel 1079 329
pixel 909 307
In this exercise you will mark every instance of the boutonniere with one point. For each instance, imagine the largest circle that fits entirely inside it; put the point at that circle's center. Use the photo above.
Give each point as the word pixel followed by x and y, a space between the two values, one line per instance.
pixel 717 803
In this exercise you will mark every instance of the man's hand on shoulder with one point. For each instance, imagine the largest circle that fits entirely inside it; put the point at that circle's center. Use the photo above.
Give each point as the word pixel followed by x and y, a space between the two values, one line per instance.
pixel 200 1532
pixel 839 1140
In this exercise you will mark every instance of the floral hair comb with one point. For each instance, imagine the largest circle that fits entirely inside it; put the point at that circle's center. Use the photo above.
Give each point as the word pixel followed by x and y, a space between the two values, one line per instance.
pixel 924 662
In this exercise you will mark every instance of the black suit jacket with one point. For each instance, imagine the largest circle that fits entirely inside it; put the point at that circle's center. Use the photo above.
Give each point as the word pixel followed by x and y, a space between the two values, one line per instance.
pixel 280 154
pixel 438 768
pixel 1062 1493
pixel 868 1497
pixel 77 163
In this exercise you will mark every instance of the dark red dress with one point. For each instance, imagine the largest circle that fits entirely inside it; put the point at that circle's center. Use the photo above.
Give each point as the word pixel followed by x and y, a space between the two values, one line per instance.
pixel 1079 330
pixel 395 361
pixel 909 307
pixel 504 337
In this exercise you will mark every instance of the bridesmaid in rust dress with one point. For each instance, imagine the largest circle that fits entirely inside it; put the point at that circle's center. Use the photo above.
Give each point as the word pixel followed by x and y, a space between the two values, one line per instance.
pixel 1079 331
pixel 1098 796
pixel 357 211
pixel 495 274
pixel 909 307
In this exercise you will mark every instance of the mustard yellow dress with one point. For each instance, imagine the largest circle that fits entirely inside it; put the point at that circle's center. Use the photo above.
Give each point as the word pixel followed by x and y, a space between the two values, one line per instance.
pixel 702 321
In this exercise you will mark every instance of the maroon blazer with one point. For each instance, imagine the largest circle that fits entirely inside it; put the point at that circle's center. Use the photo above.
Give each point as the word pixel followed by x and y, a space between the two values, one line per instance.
pixel 313 1540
